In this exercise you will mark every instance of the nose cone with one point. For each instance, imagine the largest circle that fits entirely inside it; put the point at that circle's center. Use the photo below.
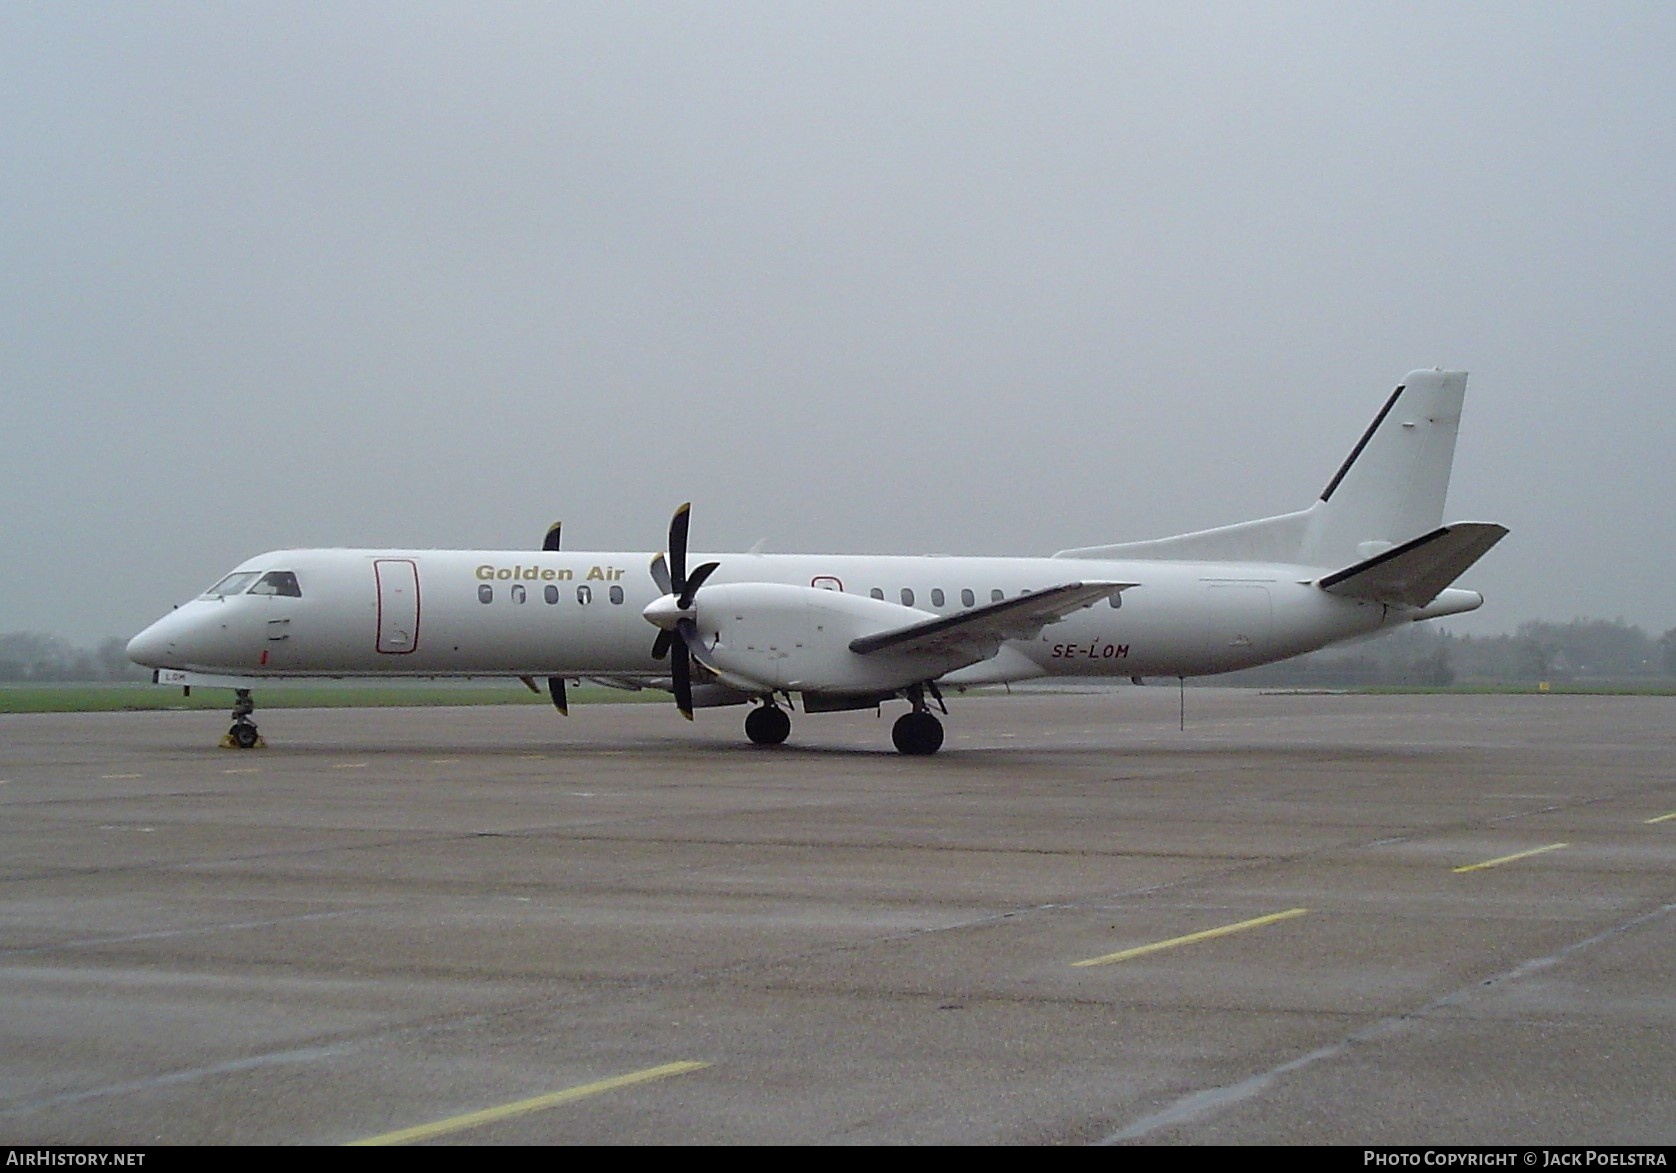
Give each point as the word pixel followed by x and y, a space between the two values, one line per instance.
pixel 152 646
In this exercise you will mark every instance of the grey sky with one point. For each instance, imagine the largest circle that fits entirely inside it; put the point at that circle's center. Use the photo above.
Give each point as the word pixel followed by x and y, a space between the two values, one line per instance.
pixel 960 278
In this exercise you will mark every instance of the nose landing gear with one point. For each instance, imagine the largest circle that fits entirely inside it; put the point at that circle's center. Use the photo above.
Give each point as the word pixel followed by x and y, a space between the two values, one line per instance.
pixel 243 734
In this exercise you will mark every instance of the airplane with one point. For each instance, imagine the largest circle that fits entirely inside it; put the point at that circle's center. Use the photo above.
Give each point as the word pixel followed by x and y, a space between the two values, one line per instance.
pixel 847 632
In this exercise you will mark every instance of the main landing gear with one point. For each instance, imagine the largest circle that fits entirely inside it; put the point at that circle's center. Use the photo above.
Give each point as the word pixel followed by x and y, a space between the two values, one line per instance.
pixel 917 732
pixel 243 734
pixel 767 724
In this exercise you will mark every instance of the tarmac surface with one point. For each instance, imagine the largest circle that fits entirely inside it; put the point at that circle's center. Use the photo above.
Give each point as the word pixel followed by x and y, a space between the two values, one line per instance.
pixel 1305 919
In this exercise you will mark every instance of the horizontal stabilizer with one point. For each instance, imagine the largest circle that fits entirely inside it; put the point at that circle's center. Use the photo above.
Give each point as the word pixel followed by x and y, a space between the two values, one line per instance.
pixel 1416 572
pixel 1022 617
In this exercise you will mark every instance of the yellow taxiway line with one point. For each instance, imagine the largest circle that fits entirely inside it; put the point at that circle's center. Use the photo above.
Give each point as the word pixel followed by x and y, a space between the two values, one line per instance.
pixel 521 1107
pixel 1191 938
pixel 1501 859
pixel 1662 818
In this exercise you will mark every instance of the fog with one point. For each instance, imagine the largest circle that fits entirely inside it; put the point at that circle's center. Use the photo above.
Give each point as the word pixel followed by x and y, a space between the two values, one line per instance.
pixel 897 277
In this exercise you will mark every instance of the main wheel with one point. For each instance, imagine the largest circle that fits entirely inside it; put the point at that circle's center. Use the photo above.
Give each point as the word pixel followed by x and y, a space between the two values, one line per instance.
pixel 917 733
pixel 767 725
pixel 244 735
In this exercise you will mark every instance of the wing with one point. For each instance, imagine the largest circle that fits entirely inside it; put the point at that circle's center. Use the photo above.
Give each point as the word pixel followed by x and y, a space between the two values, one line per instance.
pixel 982 629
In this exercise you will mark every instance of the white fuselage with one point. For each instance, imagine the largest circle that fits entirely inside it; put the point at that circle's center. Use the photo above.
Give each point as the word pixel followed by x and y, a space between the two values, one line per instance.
pixel 533 613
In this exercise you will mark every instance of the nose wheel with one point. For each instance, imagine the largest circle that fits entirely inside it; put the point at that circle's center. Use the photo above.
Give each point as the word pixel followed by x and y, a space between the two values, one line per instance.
pixel 243 734
pixel 767 725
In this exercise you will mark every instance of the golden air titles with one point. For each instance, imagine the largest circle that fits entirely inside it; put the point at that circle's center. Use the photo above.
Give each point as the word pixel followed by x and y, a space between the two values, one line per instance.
pixel 489 573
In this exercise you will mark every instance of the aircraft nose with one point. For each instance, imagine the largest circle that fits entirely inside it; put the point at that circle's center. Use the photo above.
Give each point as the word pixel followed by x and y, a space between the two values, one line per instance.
pixel 152 646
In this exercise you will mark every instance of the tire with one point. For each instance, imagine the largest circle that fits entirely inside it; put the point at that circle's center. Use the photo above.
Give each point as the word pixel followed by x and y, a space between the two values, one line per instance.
pixel 767 725
pixel 917 734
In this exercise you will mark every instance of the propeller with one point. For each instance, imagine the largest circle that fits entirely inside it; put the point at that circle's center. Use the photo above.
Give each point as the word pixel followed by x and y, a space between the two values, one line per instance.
pixel 555 684
pixel 673 614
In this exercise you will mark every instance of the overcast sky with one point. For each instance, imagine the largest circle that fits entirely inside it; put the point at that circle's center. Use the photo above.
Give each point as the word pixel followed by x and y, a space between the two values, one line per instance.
pixel 897 277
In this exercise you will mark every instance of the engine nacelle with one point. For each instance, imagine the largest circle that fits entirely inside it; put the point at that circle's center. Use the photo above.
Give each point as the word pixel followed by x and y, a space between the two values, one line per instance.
pixel 797 639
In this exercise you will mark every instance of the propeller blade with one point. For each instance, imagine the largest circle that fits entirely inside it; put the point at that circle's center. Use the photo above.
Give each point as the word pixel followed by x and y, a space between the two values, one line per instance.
pixel 696 581
pixel 551 541
pixel 671 576
pixel 681 666
pixel 555 689
pixel 678 549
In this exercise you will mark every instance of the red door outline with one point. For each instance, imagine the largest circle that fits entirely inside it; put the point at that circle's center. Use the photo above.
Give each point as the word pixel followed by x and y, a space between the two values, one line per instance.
pixel 398 605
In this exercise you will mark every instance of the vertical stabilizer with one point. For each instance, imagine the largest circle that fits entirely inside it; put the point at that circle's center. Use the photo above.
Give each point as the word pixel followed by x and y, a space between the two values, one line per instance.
pixel 1389 491
pixel 1392 486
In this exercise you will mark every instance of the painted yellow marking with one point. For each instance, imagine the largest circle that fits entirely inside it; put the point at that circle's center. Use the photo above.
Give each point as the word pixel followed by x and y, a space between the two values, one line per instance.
pixel 1663 818
pixel 443 761
pixel 244 770
pixel 1192 938
pixel 350 766
pixel 1499 860
pixel 104 777
pixel 521 1107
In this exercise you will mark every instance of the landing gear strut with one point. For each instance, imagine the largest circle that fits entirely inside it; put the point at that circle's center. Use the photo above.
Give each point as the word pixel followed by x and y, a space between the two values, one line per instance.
pixel 767 725
pixel 243 734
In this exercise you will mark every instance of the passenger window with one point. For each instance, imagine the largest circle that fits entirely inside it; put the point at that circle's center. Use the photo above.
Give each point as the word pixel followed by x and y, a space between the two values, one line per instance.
pixel 967 598
pixel 278 582
pixel 584 594
pixel 877 592
pixel 907 597
pixel 936 596
pixel 519 594
pixel 997 596
pixel 617 595
pixel 550 593
pixel 485 593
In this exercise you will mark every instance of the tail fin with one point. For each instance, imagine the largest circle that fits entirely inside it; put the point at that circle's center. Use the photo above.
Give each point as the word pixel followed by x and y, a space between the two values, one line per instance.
pixel 1389 490
pixel 1392 486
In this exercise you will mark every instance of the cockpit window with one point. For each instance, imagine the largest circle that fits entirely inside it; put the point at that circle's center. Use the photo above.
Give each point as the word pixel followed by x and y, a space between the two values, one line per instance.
pixel 233 584
pixel 278 582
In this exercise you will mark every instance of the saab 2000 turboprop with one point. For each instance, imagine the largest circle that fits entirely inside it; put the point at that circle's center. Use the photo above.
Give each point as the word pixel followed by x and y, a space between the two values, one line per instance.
pixel 851 632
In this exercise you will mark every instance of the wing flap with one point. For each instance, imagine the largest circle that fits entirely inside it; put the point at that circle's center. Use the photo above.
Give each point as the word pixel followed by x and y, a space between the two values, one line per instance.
pixel 1021 617
pixel 1416 572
